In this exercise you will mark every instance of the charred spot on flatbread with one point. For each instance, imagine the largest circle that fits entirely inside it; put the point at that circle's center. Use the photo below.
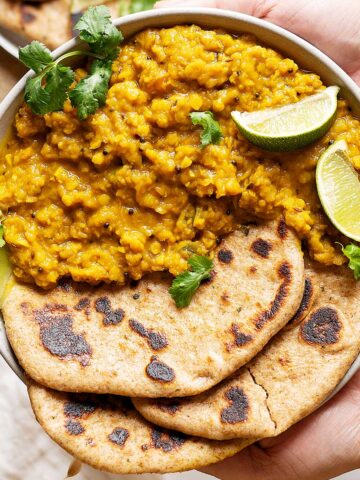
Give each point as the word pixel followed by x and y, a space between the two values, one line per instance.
pixel 261 247
pixel 73 427
pixel 166 441
pixel 74 409
pixel 27 15
pixel 110 316
pixel 282 229
pixel 305 302
pixel 241 338
pixel 171 405
pixel 65 284
pixel 82 304
pixel 284 272
pixel 238 410
pixel 119 436
pixel 322 328
pixel 225 256
pixel 156 340
pixel 159 371
pixel 57 335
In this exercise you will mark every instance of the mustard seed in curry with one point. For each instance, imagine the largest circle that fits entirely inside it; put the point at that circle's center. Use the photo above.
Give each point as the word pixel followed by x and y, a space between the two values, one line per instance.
pixel 130 190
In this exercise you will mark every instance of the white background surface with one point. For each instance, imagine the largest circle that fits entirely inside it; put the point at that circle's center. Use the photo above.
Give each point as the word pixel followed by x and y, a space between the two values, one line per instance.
pixel 26 453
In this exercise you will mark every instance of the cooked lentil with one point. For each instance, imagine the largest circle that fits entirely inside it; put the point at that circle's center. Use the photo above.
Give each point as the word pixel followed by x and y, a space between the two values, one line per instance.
pixel 129 190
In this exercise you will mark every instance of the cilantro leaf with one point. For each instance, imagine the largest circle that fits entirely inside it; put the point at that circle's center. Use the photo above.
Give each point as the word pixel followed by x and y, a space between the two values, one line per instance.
pixel 185 285
pixel 2 241
pixel 141 5
pixel 352 252
pixel 90 93
pixel 211 132
pixel 35 56
pixel 48 92
pixel 58 81
pixel 97 29
pixel 36 96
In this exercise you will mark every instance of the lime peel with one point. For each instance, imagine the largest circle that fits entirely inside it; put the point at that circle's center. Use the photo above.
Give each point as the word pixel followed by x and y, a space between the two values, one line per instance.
pixel 291 126
pixel 338 187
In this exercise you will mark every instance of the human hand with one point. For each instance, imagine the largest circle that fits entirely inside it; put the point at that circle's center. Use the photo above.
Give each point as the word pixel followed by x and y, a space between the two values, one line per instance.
pixel 327 443
pixel 331 25
pixel 322 446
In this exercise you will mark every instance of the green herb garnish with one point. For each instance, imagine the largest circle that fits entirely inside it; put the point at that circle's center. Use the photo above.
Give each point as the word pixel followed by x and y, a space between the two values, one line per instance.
pixel 352 252
pixel 48 90
pixel 2 241
pixel 211 128
pixel 141 5
pixel 90 93
pixel 185 285
pixel 133 6
pixel 98 31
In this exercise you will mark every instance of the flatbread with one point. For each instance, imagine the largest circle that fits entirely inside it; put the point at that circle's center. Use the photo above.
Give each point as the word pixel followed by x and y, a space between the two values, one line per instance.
pixel 117 8
pixel 49 22
pixel 135 342
pixel 107 433
pixel 235 408
pixel 288 380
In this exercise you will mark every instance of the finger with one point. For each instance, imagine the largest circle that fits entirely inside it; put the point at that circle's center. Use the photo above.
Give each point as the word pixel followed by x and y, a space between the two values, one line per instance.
pixel 322 446
pixel 244 6
pixel 250 464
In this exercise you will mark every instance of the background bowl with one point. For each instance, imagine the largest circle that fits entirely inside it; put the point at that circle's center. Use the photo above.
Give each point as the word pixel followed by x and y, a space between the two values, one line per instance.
pixel 305 55
pixel 9 42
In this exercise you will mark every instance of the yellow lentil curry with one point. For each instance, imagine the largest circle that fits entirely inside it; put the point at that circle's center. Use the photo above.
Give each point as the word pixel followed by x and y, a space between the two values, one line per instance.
pixel 130 191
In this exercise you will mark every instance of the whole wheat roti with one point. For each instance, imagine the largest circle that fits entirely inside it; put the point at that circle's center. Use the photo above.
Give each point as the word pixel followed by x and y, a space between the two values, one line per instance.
pixel 107 433
pixel 288 380
pixel 49 22
pixel 135 342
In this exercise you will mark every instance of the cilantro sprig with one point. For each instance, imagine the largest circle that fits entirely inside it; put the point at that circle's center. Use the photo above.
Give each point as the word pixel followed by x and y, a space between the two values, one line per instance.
pixel 185 285
pixel 50 87
pixel 211 128
pixel 352 252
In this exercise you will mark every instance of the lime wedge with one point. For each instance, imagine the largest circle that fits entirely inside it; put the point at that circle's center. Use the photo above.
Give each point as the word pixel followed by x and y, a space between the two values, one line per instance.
pixel 290 126
pixel 338 187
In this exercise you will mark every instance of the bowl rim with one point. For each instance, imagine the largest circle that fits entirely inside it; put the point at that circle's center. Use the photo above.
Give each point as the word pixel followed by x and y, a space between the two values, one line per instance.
pixel 173 13
pixel 201 11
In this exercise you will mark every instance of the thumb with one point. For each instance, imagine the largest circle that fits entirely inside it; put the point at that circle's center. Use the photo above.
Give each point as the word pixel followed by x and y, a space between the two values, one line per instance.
pixel 256 8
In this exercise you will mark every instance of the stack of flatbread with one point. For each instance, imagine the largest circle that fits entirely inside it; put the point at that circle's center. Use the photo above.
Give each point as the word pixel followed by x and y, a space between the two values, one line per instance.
pixel 49 21
pixel 128 383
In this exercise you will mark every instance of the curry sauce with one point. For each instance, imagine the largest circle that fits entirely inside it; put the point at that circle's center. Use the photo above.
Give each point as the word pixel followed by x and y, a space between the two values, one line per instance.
pixel 130 191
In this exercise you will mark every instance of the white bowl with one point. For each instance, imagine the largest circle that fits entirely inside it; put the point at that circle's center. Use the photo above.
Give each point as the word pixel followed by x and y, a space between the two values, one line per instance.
pixel 305 54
